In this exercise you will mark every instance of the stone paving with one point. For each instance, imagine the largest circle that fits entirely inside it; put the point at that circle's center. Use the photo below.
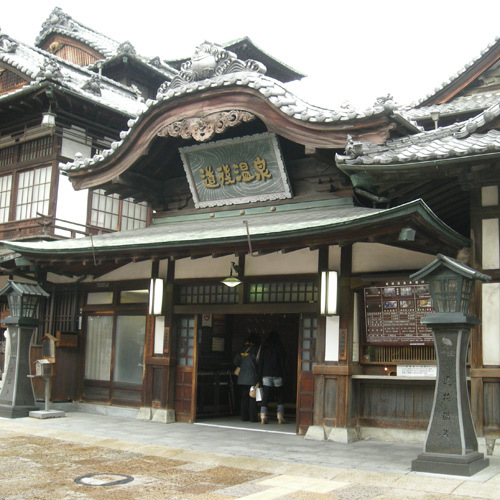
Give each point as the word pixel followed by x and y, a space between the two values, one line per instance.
pixel 86 456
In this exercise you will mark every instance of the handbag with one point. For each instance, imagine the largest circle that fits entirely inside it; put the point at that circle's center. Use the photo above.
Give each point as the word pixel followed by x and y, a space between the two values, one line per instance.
pixel 256 392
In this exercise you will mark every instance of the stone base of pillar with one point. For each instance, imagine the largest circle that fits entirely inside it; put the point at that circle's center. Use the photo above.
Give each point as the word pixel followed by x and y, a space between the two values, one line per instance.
pixel 47 414
pixel 457 465
pixel 335 434
pixel 157 415
pixel 8 411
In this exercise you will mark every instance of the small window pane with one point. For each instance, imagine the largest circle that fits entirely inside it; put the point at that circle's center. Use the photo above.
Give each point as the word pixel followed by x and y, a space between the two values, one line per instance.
pixel 95 298
pixel 134 296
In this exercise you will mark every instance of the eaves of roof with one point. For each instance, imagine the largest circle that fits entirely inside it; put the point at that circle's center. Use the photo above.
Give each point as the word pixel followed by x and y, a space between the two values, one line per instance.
pixel 36 87
pixel 464 104
pixel 455 143
pixel 164 70
pixel 273 91
pixel 317 221
pixel 464 76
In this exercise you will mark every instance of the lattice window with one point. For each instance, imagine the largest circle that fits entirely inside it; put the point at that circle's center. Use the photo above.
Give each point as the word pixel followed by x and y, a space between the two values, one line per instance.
pixel 5 195
pixel 206 294
pixel 308 343
pixel 185 346
pixel 283 291
pixel 33 192
pixel 76 55
pixel 134 215
pixel 7 156
pixel 109 212
pixel 105 210
pixel 36 149
pixel 10 81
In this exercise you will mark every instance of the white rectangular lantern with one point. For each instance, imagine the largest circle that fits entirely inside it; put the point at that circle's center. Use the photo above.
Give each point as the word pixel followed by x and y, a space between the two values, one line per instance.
pixel 328 295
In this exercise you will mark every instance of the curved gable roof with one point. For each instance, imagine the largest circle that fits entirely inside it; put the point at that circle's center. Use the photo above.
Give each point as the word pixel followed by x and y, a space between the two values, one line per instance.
pixel 464 77
pixel 216 81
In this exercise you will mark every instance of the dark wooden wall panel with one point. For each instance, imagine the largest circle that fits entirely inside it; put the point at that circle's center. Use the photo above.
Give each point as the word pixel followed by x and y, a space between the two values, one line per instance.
pixel 491 404
pixel 396 404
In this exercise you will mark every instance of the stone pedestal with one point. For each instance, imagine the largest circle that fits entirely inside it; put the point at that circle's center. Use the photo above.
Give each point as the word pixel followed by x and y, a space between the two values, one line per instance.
pixel 17 398
pixel 451 443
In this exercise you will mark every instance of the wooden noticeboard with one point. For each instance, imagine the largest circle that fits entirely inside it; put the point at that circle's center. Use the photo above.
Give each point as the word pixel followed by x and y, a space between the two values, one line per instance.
pixel 393 311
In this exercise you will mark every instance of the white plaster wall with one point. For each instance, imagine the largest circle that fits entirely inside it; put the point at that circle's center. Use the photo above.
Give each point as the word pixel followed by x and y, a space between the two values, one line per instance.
pixel 491 323
pixel 332 334
pixel 299 262
pixel 491 248
pixel 71 204
pixel 489 196
pixel 207 267
pixel 132 271
pixel 375 257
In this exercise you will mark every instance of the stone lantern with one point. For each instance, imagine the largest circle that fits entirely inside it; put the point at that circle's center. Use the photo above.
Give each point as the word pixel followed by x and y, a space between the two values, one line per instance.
pixel 451 443
pixel 17 398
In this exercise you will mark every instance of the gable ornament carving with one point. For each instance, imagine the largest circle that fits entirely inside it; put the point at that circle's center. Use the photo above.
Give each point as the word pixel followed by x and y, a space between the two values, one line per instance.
pixel 58 18
pixel 49 70
pixel 7 45
pixel 211 60
pixel 202 129
pixel 93 85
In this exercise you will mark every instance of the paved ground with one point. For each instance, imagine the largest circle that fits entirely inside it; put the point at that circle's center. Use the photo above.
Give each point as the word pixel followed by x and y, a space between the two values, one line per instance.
pixel 85 456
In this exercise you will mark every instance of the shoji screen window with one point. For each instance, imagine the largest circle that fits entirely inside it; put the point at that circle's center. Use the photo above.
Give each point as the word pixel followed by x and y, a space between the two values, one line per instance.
pixel 33 192
pixel 5 195
pixel 109 212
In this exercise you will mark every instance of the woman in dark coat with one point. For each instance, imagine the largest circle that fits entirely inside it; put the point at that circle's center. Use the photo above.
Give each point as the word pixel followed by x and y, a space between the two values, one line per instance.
pixel 272 374
pixel 246 360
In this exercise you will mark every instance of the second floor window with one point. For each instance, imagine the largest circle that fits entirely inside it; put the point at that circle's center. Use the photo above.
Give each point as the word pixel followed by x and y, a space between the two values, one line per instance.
pixel 33 192
pixel 109 212
pixel 5 196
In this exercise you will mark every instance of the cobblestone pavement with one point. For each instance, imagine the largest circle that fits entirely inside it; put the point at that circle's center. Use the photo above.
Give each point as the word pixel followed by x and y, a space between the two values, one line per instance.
pixel 93 457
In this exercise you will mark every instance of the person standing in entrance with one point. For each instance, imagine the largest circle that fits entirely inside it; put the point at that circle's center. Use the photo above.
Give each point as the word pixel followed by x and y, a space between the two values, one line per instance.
pixel 246 361
pixel 272 374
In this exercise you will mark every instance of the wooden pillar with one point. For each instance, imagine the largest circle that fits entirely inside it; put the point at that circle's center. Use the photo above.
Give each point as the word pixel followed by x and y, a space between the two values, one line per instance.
pixel 170 348
pixel 160 368
pixel 344 311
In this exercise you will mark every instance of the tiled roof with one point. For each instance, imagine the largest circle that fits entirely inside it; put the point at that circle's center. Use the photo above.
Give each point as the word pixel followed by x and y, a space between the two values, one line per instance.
pixel 462 104
pixel 271 89
pixel 61 23
pixel 228 227
pixel 40 67
pixel 244 46
pixel 458 73
pixel 455 141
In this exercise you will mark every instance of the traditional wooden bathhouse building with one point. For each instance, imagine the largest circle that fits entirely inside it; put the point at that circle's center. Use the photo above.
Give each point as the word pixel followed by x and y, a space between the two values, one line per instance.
pixel 245 179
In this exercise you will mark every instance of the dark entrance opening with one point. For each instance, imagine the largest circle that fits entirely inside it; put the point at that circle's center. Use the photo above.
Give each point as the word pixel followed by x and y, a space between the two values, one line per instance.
pixel 218 394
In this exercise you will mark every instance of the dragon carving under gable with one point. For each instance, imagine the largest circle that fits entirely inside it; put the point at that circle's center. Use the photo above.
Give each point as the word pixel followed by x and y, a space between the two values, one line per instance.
pixel 211 60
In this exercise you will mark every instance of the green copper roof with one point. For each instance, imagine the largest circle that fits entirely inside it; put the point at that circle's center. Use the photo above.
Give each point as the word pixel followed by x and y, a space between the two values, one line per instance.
pixel 270 224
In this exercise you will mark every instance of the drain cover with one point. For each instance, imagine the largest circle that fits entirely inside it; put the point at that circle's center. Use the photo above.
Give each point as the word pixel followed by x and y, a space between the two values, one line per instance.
pixel 103 479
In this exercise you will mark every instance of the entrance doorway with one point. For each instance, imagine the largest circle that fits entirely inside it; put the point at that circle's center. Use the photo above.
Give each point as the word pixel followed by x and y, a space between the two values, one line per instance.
pixel 206 388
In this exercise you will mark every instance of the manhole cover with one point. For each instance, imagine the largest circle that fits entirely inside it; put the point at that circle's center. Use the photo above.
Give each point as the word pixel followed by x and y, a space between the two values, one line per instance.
pixel 103 479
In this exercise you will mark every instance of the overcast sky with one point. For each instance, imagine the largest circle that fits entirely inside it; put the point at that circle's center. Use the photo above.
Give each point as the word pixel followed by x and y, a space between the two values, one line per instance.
pixel 354 51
